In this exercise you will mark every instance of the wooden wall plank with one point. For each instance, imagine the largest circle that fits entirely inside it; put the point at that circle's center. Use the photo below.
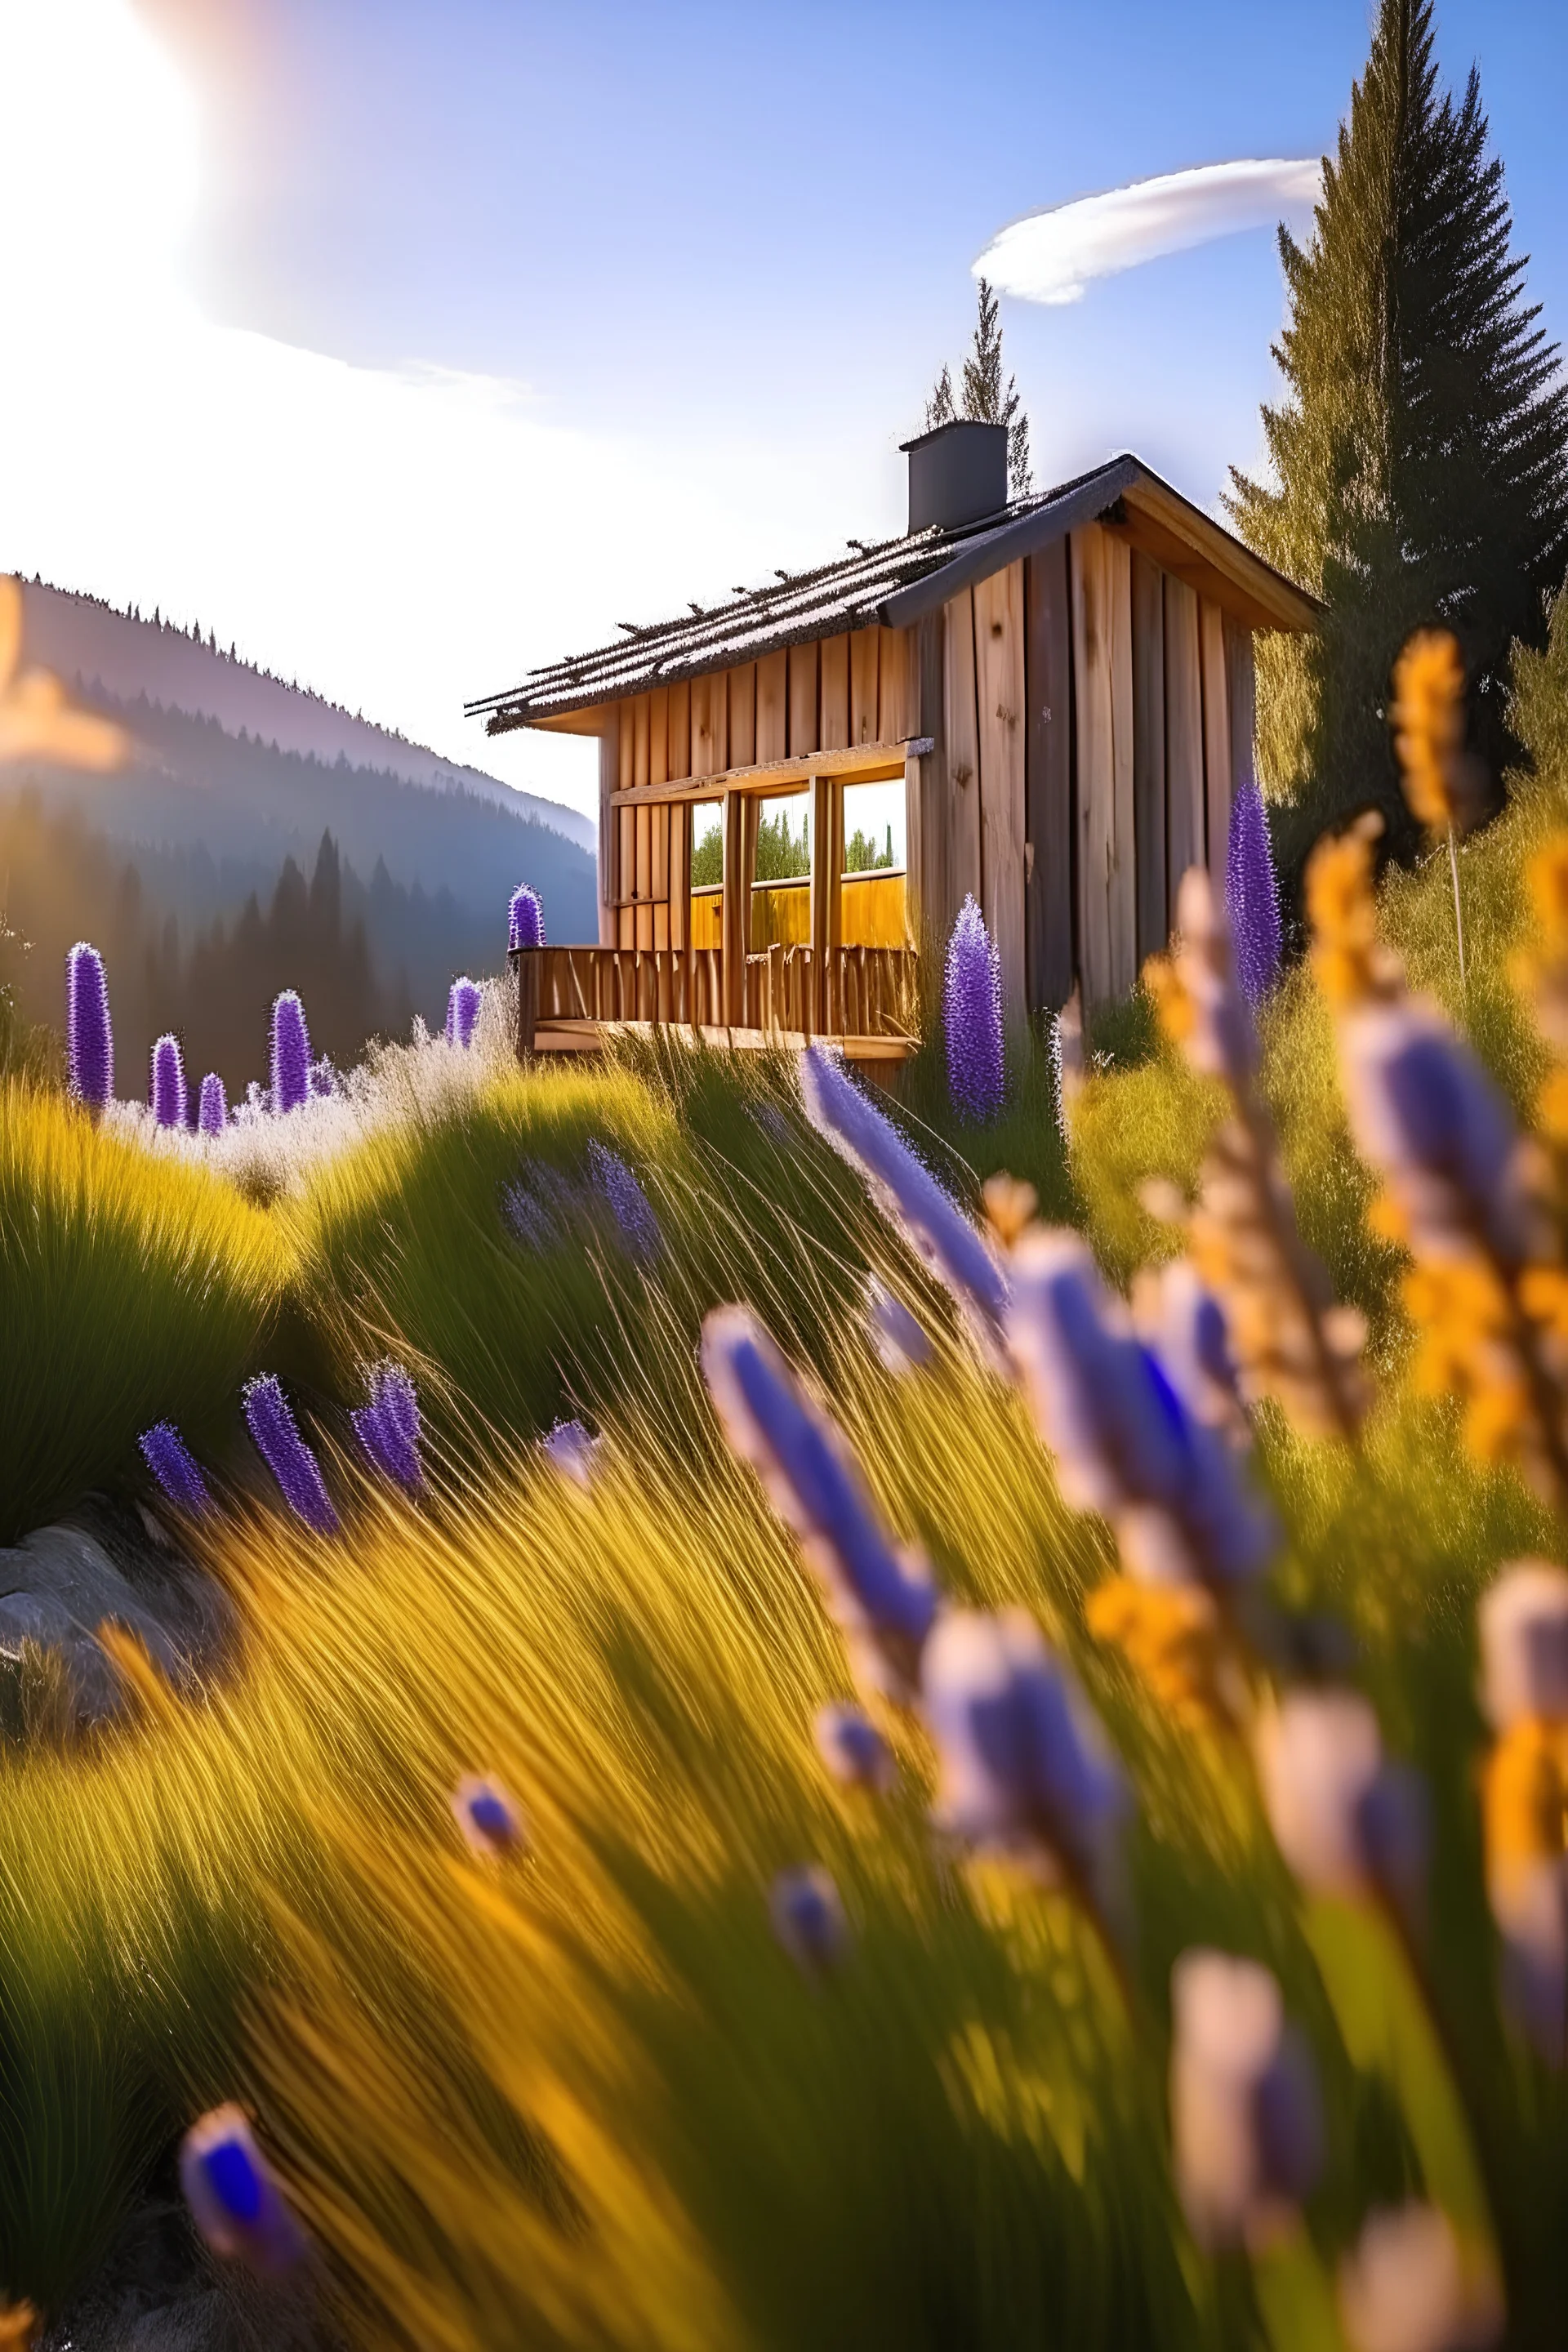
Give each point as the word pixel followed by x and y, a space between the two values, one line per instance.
pixel 834 732
pixel 643 935
pixel 702 696
pixel 929 812
pixel 1096 747
pixel 681 874
pixel 864 646
pixel 893 657
pixel 802 716
pixel 625 715
pixel 610 760
pixel 719 720
pixel 1186 831
pixel 659 877
pixel 1049 832
pixel 659 735
pixel 962 730
pixel 1216 733
pixel 625 876
pixel 773 708
pixel 1124 857
pixel 999 698
pixel 640 739
pixel 678 761
pixel 1241 684
pixel 742 715
pixel 1149 753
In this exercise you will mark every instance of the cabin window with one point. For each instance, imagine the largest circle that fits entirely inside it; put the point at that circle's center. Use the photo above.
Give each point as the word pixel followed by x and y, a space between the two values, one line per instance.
pixel 874 905
pixel 780 892
pixel 706 874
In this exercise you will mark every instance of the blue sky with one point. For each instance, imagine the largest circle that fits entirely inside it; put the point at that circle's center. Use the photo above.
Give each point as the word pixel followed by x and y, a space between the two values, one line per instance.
pixel 713 255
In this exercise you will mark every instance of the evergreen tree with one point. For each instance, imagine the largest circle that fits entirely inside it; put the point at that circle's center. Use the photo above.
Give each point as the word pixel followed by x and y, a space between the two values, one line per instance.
pixel 1420 459
pixel 986 401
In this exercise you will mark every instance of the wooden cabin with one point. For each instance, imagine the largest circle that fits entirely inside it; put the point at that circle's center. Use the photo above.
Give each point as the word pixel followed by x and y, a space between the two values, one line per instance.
pixel 1047 702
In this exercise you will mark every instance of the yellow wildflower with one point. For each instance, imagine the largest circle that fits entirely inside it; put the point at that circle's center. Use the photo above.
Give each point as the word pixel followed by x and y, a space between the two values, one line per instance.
pixel 1010 1205
pixel 1175 1641
pixel 1428 715
pixel 1524 1797
pixel 1174 1008
pixel 1346 957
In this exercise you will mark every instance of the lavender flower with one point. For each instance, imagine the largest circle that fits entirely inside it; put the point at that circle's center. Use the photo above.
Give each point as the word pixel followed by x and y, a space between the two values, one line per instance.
pixel 938 1230
pixel 1125 1443
pixel 491 1823
pixel 286 1453
pixel 212 1115
pixel 388 1426
pixel 463 1002
pixel 1408 2288
pixel 1025 1768
pixel 89 1040
pixel 1347 1822
pixel 971 1018
pixel 629 1204
pixel 168 1457
pixel 852 1747
pixel 167 1089
pixel 525 919
pixel 1178 1316
pixel 1252 896
pixel 900 1343
pixel 884 1603
pixel 233 2194
pixel 808 1919
pixel 290 1054
pixel 1245 2117
pixel 575 1451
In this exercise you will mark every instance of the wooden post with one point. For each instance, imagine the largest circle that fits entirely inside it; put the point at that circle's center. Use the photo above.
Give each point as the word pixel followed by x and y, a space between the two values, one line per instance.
pixel 1186 833
pixel 827 894
pixel 610 767
pixel 1149 752
pixel 527 1000
pixel 741 812
pixel 999 695
pixel 1047 780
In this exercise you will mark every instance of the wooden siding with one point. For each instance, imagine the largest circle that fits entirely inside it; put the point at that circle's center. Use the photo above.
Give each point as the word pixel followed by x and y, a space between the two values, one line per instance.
pixel 1149 755
pixel 1242 688
pixel 772 707
pixel 742 715
pixel 999 696
pixel 677 759
pixel 834 735
pixel 1047 780
pixel 1186 831
pixel 893 654
pixel 963 751
pixel 609 777
pixel 802 720
pixel 865 646
pixel 927 794
pixel 1216 733
pixel 1103 706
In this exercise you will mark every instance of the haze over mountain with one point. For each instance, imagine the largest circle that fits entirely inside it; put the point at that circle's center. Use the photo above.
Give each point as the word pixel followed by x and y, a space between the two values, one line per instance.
pixel 193 854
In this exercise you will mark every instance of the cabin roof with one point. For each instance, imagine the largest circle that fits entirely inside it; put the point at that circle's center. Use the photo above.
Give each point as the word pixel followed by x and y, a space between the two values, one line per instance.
pixel 898 581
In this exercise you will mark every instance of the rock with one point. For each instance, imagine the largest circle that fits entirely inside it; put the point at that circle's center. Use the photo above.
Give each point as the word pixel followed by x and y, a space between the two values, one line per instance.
pixel 61 1584
pixel 160 2291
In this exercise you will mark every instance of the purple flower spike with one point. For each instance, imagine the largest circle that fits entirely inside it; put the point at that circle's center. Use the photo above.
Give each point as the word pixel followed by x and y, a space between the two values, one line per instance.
pixel 935 1227
pixel 972 1019
pixel 212 1116
pixel 388 1426
pixel 324 1077
pixel 168 1089
pixel 852 1747
pixel 291 1053
pixel 628 1203
pixel 1252 896
pixel 575 1451
pixel 234 2196
pixel 490 1821
pixel 808 1919
pixel 884 1602
pixel 287 1455
pixel 463 1012
pixel 525 919
pixel 89 1038
pixel 169 1458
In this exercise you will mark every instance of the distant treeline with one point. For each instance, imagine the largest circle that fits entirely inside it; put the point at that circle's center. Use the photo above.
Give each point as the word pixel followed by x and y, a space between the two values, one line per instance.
pixel 365 956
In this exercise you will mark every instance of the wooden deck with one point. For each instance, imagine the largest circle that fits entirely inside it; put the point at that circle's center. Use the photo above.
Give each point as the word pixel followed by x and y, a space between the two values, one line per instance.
pixel 863 999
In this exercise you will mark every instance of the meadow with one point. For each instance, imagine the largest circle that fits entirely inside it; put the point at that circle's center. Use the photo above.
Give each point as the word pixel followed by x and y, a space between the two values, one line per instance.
pixel 607 2069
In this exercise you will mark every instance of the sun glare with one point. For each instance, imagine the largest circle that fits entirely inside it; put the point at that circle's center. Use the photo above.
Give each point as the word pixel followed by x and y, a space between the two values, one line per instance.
pixel 100 152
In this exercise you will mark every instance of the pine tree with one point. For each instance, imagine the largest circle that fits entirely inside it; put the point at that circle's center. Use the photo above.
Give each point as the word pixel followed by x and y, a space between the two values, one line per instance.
pixel 1420 459
pixel 984 400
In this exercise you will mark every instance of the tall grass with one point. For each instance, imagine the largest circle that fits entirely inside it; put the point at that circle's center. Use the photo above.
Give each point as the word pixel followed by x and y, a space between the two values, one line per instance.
pixel 131 1290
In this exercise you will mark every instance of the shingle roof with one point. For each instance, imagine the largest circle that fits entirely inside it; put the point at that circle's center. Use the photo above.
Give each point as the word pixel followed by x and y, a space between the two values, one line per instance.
pixel 894 582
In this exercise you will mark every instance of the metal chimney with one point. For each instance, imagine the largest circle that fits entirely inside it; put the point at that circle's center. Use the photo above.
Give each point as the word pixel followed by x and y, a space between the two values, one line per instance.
pixel 958 474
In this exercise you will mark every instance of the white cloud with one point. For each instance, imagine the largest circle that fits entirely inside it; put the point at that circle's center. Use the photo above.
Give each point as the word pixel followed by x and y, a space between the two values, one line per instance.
pixel 399 540
pixel 1051 257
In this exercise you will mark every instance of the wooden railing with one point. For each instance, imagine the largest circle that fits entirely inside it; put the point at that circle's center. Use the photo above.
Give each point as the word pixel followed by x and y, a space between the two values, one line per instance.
pixel 864 994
